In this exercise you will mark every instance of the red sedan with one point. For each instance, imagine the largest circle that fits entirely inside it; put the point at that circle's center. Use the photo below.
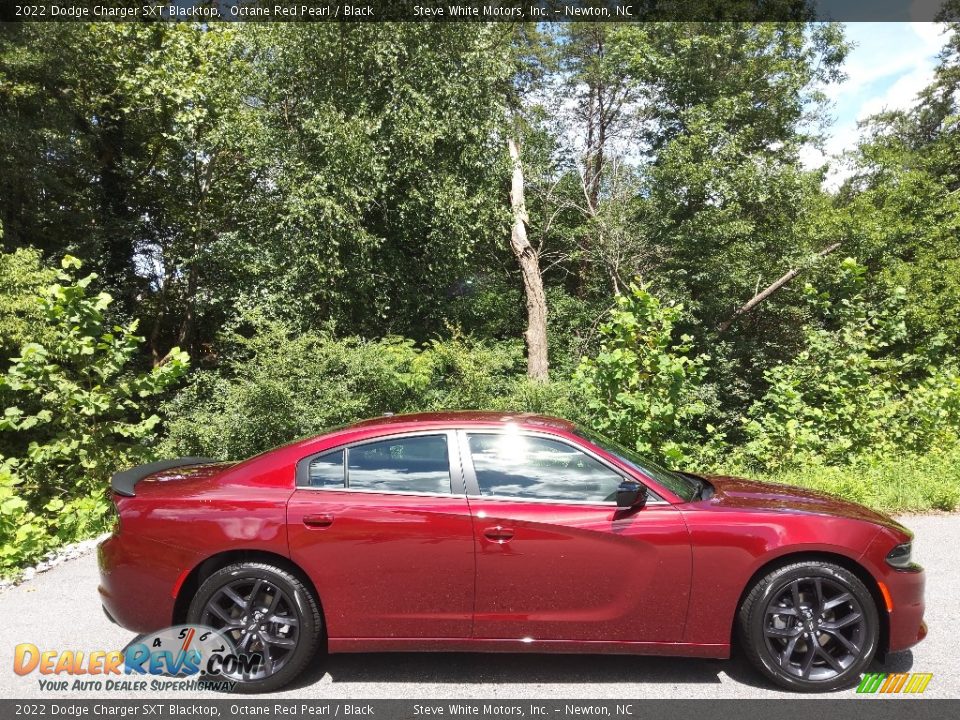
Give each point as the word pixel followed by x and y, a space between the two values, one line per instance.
pixel 476 531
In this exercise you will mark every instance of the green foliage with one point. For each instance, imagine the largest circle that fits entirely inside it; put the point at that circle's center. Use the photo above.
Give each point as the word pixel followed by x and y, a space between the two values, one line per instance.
pixel 854 390
pixel 901 204
pixel 78 412
pixel 335 197
pixel 278 385
pixel 22 277
pixel 902 482
pixel 642 387
pixel 23 535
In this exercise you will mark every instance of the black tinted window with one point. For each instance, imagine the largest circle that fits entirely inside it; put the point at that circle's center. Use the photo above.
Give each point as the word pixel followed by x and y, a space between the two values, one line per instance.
pixel 326 471
pixel 522 466
pixel 413 464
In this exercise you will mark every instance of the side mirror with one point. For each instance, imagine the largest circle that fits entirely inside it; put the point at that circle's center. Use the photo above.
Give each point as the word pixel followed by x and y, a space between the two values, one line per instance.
pixel 630 494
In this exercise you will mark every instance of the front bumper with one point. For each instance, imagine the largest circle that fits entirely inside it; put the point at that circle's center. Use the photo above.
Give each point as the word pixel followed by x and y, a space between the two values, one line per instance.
pixel 902 592
pixel 907 626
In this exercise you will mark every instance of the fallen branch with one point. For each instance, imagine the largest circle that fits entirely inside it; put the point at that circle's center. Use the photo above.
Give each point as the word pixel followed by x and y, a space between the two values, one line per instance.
pixel 772 288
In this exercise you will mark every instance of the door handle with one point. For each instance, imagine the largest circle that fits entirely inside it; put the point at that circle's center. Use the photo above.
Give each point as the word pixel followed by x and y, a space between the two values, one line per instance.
pixel 323 520
pixel 498 534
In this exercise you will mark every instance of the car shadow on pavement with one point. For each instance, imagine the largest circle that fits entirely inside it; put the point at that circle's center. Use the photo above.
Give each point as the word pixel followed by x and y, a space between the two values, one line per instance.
pixel 555 669
pixel 551 669
pixel 507 668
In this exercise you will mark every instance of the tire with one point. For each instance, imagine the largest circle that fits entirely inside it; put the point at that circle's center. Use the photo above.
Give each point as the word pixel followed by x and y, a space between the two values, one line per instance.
pixel 825 645
pixel 285 638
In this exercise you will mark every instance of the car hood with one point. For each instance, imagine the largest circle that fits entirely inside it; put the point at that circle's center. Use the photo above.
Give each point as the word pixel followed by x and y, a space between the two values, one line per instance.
pixel 735 492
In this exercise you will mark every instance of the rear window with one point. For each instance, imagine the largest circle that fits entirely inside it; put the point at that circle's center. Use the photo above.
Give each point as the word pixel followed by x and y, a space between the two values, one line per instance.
pixel 417 464
pixel 411 464
pixel 327 471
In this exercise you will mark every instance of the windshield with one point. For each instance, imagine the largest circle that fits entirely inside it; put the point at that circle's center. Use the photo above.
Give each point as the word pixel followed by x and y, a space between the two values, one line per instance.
pixel 681 485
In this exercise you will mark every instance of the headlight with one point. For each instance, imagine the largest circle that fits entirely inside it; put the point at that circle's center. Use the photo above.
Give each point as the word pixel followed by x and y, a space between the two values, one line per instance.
pixel 901 557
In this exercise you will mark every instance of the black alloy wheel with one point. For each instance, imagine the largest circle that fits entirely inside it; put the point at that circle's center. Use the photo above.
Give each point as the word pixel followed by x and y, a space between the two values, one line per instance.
pixel 270 616
pixel 810 626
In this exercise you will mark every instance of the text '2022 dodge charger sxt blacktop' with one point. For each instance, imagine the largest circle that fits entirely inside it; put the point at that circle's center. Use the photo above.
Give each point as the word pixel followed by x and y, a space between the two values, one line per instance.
pixel 470 531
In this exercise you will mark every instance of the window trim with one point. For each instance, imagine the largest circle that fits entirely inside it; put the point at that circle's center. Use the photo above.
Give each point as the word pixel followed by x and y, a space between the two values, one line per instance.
pixel 457 484
pixel 473 487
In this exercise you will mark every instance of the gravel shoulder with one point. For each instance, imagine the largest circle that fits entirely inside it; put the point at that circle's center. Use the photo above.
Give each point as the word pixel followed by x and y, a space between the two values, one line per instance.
pixel 59 609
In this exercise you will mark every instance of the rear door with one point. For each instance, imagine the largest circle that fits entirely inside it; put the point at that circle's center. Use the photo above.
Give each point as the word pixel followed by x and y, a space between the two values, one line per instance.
pixel 384 530
pixel 556 559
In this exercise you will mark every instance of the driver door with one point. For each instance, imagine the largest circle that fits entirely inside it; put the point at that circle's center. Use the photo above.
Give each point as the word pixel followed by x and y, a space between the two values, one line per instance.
pixel 556 558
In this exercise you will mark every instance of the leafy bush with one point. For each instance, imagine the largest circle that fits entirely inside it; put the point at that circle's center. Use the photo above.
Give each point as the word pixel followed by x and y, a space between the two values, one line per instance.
pixel 78 414
pixel 853 390
pixel 894 483
pixel 278 385
pixel 22 280
pixel 643 387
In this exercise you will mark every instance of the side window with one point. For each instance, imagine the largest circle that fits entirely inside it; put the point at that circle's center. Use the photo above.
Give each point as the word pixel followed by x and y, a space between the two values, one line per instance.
pixel 523 466
pixel 326 471
pixel 411 464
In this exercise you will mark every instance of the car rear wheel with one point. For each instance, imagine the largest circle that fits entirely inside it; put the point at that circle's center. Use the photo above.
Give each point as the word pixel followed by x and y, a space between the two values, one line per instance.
pixel 272 618
pixel 810 626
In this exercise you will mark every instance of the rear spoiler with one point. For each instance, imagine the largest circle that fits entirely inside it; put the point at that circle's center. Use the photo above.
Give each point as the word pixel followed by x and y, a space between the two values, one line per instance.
pixel 123 483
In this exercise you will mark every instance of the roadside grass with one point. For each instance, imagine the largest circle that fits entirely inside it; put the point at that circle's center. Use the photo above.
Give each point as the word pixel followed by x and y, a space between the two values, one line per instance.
pixel 908 483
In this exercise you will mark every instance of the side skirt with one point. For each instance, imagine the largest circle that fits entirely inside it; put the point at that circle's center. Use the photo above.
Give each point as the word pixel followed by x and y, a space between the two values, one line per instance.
pixel 361 645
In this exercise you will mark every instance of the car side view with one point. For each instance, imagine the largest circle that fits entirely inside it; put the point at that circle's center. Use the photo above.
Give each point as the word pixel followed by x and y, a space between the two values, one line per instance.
pixel 491 532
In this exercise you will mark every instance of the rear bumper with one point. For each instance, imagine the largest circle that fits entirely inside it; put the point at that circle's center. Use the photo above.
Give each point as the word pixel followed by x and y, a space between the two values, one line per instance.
pixel 137 578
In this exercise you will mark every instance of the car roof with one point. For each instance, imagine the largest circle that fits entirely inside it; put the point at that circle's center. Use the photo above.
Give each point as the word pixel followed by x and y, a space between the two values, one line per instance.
pixel 469 417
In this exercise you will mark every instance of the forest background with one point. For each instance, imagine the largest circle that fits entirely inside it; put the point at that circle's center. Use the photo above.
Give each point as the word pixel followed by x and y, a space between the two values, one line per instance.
pixel 217 239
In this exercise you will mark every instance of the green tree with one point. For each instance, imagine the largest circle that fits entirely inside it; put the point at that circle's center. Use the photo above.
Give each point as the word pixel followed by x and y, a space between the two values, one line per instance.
pixel 642 387
pixel 859 387
pixel 22 279
pixel 901 204
pixel 77 412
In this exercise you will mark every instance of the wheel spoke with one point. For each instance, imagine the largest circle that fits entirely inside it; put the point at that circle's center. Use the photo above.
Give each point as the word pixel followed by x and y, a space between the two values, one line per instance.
pixel 224 615
pixel 795 592
pixel 850 646
pixel 777 610
pixel 252 597
pixel 783 632
pixel 818 587
pixel 283 620
pixel 842 622
pixel 831 660
pixel 806 664
pixel 788 651
pixel 838 600
pixel 234 598
pixel 276 601
pixel 278 641
pixel 267 660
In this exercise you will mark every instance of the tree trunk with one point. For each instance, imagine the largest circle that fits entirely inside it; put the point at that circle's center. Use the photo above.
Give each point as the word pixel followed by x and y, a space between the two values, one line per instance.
pixel 536 334
pixel 772 288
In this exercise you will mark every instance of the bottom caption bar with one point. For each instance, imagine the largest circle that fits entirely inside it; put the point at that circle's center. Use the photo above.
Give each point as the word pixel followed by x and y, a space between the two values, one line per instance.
pixel 705 709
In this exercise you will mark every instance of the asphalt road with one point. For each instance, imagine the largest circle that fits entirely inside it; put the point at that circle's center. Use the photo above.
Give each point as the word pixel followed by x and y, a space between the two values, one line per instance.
pixel 59 609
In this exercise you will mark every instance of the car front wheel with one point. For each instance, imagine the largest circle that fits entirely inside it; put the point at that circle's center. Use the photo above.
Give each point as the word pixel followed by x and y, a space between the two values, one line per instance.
pixel 272 618
pixel 810 626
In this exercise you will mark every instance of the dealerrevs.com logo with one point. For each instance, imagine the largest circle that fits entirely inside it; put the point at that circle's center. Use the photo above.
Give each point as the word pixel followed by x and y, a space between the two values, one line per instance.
pixel 188 657
pixel 894 682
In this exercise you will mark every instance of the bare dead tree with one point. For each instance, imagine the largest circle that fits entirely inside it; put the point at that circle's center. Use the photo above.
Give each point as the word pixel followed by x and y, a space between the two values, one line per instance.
pixel 527 256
